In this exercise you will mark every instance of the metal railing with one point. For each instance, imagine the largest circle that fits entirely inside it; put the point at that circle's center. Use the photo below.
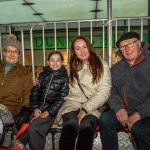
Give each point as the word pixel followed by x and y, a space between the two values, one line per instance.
pixel 118 25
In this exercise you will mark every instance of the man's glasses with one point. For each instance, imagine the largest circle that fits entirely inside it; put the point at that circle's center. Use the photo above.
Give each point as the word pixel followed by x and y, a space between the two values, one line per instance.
pixel 12 52
pixel 129 45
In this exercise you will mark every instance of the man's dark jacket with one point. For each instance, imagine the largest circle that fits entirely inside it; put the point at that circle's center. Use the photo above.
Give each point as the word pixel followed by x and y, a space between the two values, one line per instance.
pixel 131 86
pixel 49 94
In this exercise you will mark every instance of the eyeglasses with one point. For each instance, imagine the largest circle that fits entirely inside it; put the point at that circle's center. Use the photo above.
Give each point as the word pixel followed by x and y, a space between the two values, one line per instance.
pixel 129 45
pixel 12 52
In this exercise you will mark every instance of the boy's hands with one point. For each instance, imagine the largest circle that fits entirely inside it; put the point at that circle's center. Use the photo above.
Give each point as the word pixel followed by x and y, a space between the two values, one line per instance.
pixel 45 114
pixel 39 113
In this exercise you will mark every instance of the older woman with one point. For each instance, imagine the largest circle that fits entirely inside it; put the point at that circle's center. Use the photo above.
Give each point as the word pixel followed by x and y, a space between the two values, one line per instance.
pixel 15 79
pixel 90 84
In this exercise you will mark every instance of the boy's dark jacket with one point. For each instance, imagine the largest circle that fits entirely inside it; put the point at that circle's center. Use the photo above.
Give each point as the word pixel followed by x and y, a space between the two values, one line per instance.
pixel 131 86
pixel 54 85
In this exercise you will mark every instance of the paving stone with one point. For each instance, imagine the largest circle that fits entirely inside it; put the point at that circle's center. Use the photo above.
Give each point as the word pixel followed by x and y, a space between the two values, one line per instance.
pixel 124 141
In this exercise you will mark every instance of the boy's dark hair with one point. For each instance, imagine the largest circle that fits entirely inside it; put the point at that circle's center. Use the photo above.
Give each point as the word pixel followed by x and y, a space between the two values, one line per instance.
pixel 55 52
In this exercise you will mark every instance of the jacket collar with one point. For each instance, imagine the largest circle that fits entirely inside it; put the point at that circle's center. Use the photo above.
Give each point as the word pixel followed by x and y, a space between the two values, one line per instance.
pixel 62 70
pixel 140 59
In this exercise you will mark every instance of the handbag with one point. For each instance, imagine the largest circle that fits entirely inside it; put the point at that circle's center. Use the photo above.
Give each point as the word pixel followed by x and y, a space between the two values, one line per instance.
pixel 22 117
pixel 16 143
pixel 6 115
pixel 101 109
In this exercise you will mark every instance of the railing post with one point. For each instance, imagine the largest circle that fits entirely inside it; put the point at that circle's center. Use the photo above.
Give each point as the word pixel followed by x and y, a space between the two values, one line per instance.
pixel 109 17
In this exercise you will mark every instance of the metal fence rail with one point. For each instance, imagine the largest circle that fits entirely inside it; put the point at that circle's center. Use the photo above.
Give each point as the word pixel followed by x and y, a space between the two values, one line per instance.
pixel 97 26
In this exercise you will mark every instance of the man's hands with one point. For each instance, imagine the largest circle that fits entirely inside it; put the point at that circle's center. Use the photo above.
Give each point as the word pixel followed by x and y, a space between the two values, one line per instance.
pixel 38 113
pixel 132 119
pixel 122 116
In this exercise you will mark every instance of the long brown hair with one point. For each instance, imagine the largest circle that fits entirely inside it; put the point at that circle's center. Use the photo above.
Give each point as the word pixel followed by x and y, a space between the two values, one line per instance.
pixel 95 64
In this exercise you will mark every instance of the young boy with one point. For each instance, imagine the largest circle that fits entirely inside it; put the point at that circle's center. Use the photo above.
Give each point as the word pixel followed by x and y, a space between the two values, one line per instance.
pixel 46 99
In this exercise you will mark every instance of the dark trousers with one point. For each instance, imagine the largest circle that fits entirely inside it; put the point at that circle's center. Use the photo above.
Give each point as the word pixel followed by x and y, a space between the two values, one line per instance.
pixel 71 130
pixel 37 132
pixel 110 127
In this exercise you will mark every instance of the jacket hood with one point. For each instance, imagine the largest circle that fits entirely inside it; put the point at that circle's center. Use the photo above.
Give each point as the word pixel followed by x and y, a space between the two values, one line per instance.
pixel 145 54
pixel 118 52
pixel 60 71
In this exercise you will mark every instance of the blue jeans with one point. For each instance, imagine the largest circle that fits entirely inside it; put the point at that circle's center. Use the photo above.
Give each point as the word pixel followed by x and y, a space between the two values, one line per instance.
pixel 110 127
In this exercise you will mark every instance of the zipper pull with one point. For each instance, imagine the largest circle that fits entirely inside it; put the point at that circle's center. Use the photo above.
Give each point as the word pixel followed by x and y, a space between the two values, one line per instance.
pixel 3 79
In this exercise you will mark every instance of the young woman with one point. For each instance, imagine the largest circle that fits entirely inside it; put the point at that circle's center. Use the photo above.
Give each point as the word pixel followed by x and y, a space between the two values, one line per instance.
pixel 90 84
pixel 46 99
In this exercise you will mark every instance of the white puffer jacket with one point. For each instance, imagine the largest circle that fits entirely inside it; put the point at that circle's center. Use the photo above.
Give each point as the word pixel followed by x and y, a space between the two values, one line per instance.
pixel 97 94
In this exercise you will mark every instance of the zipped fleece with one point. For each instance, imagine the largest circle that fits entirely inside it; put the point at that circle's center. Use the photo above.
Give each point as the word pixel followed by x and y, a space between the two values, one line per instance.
pixel 15 87
pixel 131 86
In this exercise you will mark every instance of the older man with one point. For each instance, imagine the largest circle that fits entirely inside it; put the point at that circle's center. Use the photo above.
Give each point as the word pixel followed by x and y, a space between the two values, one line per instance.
pixel 130 95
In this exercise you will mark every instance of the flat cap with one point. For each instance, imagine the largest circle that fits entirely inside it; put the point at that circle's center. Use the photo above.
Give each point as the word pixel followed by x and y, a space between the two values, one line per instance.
pixel 128 35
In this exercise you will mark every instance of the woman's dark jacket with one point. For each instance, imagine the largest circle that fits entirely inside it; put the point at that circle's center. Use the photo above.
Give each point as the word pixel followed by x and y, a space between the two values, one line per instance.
pixel 49 94
pixel 131 86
